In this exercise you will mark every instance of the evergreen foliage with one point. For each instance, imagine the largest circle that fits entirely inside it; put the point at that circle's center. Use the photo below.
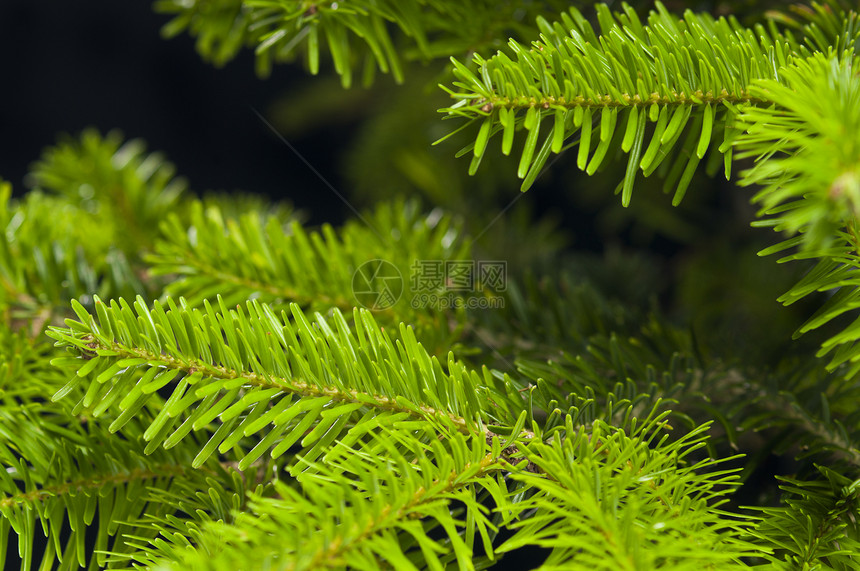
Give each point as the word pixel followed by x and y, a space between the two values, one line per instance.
pixel 191 382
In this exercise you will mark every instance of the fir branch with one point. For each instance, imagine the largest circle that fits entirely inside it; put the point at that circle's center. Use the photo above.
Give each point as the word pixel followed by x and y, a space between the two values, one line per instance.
pixel 304 384
pixel 796 409
pixel 373 36
pixel 90 484
pixel 806 149
pixel 824 26
pixel 626 500
pixel 276 28
pixel 670 71
pixel 817 527
pixel 181 513
pixel 808 164
pixel 60 471
pixel 192 434
pixel 127 190
pixel 348 510
pixel 45 262
pixel 253 258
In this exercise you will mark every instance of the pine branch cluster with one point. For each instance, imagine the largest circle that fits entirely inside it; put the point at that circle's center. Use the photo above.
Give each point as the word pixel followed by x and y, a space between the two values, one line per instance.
pixel 192 382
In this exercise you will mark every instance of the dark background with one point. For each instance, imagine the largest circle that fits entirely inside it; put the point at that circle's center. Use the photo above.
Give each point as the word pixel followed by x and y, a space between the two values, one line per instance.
pixel 103 64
